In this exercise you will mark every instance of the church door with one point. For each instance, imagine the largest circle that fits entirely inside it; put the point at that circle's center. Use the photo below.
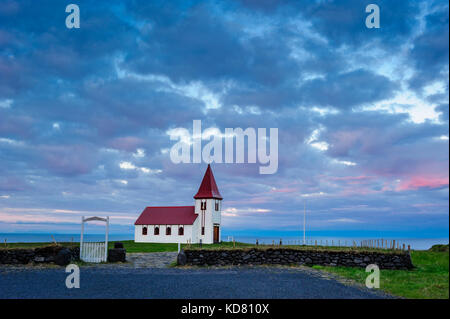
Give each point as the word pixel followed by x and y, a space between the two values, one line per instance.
pixel 216 234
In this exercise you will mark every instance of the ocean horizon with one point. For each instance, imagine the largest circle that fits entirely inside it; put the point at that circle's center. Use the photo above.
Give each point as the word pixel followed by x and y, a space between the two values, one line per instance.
pixel 415 243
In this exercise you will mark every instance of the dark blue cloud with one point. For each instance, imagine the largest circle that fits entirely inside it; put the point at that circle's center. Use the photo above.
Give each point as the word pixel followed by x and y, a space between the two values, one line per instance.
pixel 430 51
pixel 75 105
pixel 348 90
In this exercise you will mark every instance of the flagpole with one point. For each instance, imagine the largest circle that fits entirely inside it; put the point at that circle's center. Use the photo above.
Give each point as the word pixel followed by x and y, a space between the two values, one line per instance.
pixel 304 224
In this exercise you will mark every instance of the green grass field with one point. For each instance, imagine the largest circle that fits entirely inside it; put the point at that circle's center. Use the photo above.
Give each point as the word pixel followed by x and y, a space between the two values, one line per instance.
pixel 132 247
pixel 429 280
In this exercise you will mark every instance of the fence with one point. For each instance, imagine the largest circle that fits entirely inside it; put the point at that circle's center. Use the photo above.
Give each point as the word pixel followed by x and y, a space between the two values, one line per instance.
pixel 93 252
pixel 391 244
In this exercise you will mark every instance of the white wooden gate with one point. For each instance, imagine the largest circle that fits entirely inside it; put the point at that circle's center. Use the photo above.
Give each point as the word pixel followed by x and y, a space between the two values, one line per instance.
pixel 94 252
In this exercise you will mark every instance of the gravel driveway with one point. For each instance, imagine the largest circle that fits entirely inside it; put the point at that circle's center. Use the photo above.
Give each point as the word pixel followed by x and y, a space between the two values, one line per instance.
pixel 130 282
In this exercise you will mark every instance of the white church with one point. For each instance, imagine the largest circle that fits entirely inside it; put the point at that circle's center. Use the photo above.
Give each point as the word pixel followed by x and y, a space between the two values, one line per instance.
pixel 180 224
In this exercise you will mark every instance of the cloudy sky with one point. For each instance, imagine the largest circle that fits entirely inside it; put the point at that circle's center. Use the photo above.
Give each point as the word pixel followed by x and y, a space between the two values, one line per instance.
pixel 362 113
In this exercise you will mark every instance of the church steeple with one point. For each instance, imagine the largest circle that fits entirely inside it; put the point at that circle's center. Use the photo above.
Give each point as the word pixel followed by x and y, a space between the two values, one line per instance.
pixel 208 187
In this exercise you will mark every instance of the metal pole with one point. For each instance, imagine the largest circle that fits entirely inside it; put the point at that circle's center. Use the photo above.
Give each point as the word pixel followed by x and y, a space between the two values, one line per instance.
pixel 304 224
pixel 106 238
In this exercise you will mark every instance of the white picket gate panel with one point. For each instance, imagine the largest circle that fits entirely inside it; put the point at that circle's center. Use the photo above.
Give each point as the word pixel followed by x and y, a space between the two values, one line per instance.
pixel 93 252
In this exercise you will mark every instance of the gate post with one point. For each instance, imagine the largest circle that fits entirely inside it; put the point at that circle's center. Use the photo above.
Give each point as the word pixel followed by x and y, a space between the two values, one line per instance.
pixel 81 237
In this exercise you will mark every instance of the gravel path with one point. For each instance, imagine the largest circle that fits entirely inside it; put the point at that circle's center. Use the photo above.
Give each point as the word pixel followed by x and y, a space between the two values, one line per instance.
pixel 152 260
pixel 130 282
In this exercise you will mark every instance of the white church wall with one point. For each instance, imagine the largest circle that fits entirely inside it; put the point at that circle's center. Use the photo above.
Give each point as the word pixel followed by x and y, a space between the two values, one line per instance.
pixel 195 231
pixel 162 237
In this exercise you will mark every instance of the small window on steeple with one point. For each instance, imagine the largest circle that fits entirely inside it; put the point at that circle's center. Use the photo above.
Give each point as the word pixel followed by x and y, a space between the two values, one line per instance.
pixel 217 205
pixel 203 205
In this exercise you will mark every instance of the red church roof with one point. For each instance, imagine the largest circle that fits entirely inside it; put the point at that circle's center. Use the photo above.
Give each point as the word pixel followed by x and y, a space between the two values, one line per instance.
pixel 181 215
pixel 208 188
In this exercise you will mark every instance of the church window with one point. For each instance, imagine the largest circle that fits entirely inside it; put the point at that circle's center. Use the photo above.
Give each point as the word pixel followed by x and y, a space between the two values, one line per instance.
pixel 203 230
pixel 203 205
pixel 168 231
pixel 181 231
pixel 156 232
pixel 217 205
pixel 144 231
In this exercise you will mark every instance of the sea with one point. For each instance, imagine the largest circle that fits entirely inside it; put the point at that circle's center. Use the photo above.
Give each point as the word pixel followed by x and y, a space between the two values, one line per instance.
pixel 415 243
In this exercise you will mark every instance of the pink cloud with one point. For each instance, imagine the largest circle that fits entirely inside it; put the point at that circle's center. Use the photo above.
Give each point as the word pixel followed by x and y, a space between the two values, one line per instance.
pixel 362 179
pixel 284 190
pixel 417 182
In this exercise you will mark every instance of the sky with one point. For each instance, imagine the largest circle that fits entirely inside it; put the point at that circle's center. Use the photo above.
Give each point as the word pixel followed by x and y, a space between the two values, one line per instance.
pixel 362 114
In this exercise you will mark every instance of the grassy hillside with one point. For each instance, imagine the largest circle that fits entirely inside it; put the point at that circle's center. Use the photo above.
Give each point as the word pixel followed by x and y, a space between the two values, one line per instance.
pixel 439 248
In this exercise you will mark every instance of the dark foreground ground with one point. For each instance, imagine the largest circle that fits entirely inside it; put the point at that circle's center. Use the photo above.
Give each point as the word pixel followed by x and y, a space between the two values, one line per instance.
pixel 176 283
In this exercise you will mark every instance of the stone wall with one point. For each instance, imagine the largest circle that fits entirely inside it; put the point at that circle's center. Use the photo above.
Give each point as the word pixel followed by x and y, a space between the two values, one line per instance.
pixel 37 255
pixel 52 254
pixel 285 256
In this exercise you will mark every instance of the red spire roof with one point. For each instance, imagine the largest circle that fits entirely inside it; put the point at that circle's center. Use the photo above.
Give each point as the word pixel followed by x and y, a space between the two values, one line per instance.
pixel 208 187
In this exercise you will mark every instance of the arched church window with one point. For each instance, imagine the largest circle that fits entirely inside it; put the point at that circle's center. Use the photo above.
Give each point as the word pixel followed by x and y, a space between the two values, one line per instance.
pixel 144 231
pixel 156 231
pixel 181 231
pixel 203 205
pixel 168 231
